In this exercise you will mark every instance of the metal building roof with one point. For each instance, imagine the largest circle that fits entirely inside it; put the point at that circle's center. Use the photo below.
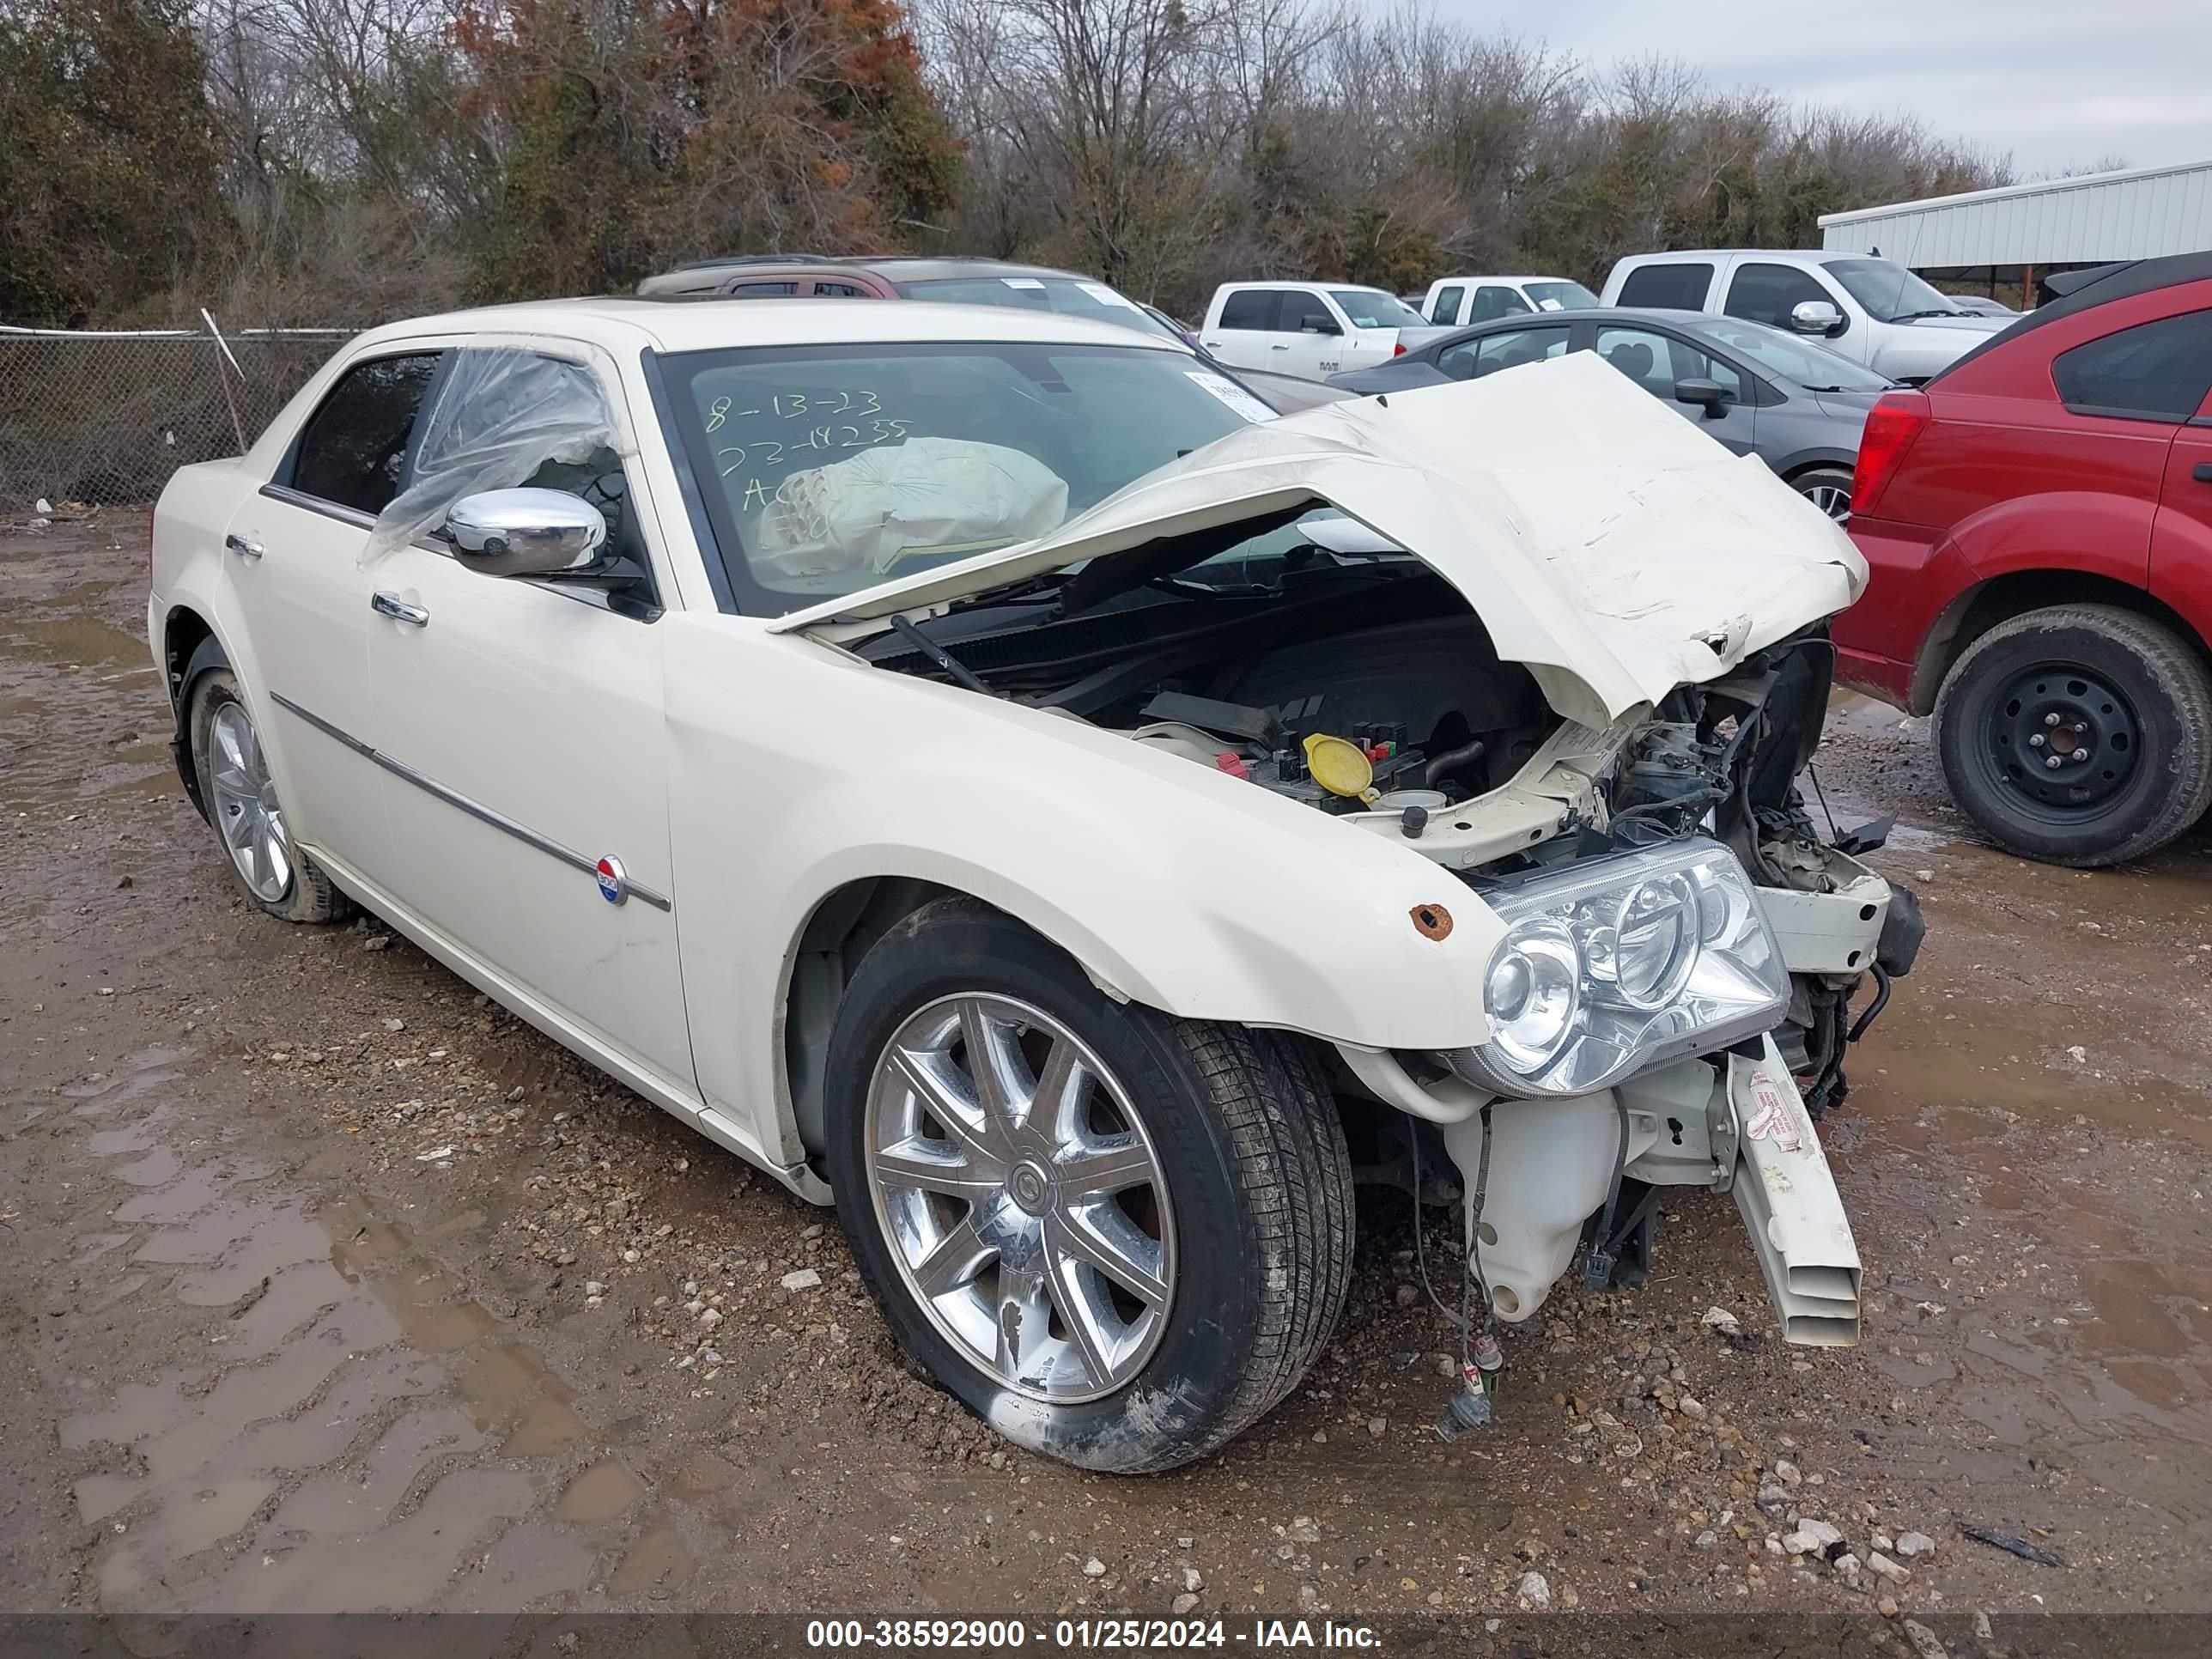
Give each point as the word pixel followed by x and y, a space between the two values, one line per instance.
pixel 2138 213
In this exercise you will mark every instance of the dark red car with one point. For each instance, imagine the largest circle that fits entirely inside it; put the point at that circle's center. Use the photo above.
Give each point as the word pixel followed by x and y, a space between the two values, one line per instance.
pixel 2039 522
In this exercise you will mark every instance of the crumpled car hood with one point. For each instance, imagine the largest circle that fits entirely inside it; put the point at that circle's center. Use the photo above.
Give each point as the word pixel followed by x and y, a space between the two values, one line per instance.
pixel 1604 540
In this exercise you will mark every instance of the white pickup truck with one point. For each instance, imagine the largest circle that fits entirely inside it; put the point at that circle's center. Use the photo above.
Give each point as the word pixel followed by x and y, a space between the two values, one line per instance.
pixel 1309 329
pixel 1871 310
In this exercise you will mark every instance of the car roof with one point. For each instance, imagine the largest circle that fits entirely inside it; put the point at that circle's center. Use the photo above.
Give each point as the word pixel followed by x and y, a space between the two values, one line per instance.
pixel 1806 256
pixel 1303 281
pixel 628 324
pixel 2123 280
pixel 1494 276
pixel 897 267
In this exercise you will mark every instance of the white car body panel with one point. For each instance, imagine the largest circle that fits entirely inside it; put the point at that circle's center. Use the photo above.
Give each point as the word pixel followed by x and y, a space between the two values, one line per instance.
pixel 1298 352
pixel 1468 288
pixel 1612 547
pixel 460 775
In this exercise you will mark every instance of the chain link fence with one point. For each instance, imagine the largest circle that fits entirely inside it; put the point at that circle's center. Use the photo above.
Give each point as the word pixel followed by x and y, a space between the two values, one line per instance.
pixel 106 417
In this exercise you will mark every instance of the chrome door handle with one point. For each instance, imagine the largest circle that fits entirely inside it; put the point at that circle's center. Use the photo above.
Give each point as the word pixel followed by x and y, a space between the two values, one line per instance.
pixel 245 546
pixel 391 605
pixel 1279 348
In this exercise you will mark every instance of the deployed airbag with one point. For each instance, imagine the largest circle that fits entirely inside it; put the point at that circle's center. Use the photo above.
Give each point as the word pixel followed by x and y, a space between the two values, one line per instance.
pixel 936 494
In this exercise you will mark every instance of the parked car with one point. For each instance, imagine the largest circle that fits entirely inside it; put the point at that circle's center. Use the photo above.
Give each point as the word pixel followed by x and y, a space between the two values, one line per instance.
pixel 1081 795
pixel 1308 330
pixel 1756 390
pixel 1871 310
pixel 1456 301
pixel 1174 324
pixel 947 281
pixel 2038 523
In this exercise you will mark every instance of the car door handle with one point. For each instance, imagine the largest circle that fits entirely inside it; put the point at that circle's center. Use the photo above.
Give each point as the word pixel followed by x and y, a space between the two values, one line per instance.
pixel 391 605
pixel 2202 471
pixel 245 546
pixel 1278 347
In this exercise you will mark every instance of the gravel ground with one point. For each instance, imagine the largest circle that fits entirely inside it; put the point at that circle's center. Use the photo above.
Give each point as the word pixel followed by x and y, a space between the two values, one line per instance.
pixel 331 1285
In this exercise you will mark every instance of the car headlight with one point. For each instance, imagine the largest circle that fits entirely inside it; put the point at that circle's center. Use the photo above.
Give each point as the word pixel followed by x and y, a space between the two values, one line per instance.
pixel 1622 962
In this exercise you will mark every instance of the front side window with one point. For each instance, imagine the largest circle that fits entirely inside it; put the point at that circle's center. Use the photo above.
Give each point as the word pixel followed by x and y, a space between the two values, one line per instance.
pixel 1645 357
pixel 1473 359
pixel 1253 308
pixel 2157 371
pixel 353 452
pixel 1813 366
pixel 1768 293
pixel 1066 296
pixel 1887 292
pixel 504 416
pixel 1446 308
pixel 1668 287
pixel 1369 307
pixel 1492 301
pixel 827 469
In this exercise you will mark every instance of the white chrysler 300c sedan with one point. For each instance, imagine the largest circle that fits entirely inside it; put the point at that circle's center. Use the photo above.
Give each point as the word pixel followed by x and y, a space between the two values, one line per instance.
pixel 989 772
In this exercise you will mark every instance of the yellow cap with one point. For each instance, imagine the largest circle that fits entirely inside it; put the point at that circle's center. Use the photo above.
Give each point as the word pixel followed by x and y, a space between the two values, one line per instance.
pixel 1339 765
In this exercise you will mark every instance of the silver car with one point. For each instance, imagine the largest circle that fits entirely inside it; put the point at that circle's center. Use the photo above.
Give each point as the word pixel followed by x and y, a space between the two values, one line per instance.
pixel 1797 406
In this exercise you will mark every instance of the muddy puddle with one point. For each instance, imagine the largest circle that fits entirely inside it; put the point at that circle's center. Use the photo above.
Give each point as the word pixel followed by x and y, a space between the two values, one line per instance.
pixel 359 1433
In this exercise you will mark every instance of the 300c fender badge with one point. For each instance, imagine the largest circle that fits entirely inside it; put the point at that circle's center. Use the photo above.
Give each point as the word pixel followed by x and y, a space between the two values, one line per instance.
pixel 614 884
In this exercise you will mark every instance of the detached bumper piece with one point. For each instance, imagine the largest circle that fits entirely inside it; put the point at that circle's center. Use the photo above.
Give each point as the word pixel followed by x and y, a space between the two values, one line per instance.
pixel 1788 1198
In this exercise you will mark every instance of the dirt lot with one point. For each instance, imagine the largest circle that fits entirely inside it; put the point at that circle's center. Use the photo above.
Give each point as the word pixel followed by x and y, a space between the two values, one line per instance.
pixel 325 1285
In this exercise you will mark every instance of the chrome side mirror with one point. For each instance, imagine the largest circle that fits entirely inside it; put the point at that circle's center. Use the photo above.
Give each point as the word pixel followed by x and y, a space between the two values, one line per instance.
pixel 524 532
pixel 1816 317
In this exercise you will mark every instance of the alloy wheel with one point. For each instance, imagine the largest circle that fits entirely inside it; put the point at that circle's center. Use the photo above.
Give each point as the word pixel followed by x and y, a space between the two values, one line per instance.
pixel 1023 1201
pixel 246 812
pixel 1834 500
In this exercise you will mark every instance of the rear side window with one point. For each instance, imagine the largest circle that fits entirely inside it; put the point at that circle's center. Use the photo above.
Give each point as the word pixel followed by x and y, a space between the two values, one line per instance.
pixel 1253 308
pixel 1507 348
pixel 2152 372
pixel 354 449
pixel 761 290
pixel 1446 308
pixel 1767 293
pixel 1667 288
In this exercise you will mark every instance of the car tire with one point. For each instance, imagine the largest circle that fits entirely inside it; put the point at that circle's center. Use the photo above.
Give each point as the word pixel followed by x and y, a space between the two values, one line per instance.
pixel 2120 700
pixel 1828 488
pixel 241 800
pixel 1236 1203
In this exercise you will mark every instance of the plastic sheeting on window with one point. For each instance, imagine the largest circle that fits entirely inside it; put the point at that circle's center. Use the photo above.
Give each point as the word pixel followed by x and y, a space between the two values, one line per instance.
pixel 926 494
pixel 496 416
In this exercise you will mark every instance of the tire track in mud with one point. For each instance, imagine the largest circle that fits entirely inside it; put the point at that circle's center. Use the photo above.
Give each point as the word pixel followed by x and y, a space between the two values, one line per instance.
pixel 359 1433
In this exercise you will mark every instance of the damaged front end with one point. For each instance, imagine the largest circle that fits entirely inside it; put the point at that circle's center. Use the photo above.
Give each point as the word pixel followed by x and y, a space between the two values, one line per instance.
pixel 1584 674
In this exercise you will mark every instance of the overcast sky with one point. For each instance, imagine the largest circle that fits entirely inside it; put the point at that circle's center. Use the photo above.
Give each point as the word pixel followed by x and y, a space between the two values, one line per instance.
pixel 2058 83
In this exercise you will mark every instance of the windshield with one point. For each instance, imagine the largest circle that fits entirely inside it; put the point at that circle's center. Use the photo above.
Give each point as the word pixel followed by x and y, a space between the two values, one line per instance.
pixel 1811 367
pixel 826 468
pixel 1070 296
pixel 1370 307
pixel 1559 296
pixel 1888 290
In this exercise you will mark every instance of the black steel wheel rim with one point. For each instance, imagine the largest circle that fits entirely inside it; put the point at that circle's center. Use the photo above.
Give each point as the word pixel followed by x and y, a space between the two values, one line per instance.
pixel 2062 741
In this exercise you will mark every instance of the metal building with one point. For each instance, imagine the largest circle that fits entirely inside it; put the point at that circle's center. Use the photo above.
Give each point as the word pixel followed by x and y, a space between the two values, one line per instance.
pixel 2017 232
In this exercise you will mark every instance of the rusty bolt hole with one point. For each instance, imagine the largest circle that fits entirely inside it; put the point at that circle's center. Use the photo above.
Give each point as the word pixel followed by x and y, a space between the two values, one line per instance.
pixel 1433 920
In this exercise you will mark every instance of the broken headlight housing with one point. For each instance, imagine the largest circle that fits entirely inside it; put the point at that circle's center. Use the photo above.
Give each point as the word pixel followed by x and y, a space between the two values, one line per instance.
pixel 1621 961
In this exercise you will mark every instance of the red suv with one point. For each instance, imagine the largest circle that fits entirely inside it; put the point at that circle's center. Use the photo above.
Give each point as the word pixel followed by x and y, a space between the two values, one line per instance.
pixel 2039 522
